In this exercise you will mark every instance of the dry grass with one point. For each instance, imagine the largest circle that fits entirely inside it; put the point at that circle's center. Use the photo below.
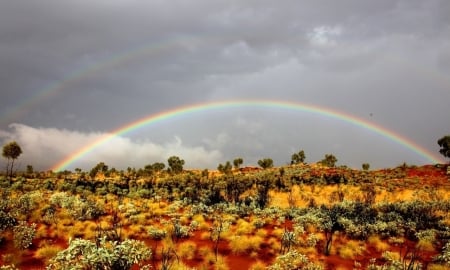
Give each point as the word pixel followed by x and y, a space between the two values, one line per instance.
pixel 425 245
pixel 350 250
pixel 243 227
pixel 244 243
pixel 377 243
pixel 435 266
pixel 46 252
pixel 186 250
pixel 258 265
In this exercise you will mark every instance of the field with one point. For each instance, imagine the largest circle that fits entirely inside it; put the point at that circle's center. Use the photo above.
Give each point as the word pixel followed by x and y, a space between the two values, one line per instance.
pixel 292 217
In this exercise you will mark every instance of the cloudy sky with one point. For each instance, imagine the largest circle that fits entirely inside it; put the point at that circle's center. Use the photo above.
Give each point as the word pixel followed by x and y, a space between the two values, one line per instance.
pixel 73 71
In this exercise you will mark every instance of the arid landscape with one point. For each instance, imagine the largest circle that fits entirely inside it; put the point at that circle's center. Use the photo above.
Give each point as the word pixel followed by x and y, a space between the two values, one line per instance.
pixel 299 216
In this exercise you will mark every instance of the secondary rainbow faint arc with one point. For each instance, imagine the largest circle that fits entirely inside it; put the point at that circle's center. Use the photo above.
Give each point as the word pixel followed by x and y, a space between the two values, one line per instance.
pixel 153 118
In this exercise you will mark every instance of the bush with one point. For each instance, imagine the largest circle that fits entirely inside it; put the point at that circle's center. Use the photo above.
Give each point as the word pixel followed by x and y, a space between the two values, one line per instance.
pixel 106 255
pixel 24 234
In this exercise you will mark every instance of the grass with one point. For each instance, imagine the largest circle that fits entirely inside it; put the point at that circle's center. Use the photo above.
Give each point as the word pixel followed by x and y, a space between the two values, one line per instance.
pixel 244 243
pixel 46 252
pixel 350 250
pixel 377 243
pixel 186 250
pixel 258 265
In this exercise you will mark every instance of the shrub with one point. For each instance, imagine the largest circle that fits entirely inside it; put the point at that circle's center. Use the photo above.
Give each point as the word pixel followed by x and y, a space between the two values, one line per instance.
pixel 186 250
pixel 104 255
pixel 293 260
pixel 156 233
pixel 47 252
pixel 24 234
pixel 444 257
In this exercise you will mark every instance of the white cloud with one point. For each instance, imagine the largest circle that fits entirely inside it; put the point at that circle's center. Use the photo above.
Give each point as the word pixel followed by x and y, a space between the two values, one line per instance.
pixel 45 147
pixel 324 35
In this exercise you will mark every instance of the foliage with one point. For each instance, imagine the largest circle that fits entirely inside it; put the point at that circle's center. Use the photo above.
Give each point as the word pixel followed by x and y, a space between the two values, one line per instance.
pixel 365 166
pixel 297 158
pixel 11 151
pixel 225 168
pixel 444 143
pixel 175 164
pixel 329 160
pixel 24 234
pixel 103 255
pixel 81 209
pixel 265 163
pixel 444 257
pixel 237 162
pixel 293 260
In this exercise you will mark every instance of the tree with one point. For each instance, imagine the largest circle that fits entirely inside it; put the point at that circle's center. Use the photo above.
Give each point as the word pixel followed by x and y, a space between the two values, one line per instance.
pixel 444 143
pixel 100 167
pixel 237 162
pixel 297 158
pixel 225 169
pixel 329 160
pixel 365 166
pixel 175 164
pixel 265 163
pixel 11 152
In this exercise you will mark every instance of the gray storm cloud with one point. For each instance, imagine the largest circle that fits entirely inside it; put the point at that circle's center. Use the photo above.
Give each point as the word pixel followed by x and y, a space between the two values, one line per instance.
pixel 113 62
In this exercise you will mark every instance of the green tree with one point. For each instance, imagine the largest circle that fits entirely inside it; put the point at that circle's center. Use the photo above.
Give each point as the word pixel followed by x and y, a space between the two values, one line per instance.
pixel 100 167
pixel 11 151
pixel 265 163
pixel 175 164
pixel 365 166
pixel 297 158
pixel 225 169
pixel 237 162
pixel 444 143
pixel 329 160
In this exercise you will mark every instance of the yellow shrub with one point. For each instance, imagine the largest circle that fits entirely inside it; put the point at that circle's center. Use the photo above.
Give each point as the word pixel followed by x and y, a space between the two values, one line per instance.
pixel 425 245
pixel 377 243
pixel 258 265
pixel 186 250
pixel 350 250
pixel 274 244
pixel 261 233
pixel 46 252
pixel 207 254
pixel 243 227
pixel 434 266
pixel 244 243
pixel 205 235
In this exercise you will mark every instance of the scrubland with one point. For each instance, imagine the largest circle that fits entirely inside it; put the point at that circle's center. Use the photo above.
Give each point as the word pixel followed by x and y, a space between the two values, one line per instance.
pixel 293 217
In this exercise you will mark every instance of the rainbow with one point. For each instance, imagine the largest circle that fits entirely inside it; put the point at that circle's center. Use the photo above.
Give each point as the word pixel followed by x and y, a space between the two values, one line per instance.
pixel 161 48
pixel 201 107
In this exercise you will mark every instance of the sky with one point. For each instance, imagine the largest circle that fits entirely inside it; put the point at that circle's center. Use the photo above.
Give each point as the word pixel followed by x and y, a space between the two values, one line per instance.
pixel 74 71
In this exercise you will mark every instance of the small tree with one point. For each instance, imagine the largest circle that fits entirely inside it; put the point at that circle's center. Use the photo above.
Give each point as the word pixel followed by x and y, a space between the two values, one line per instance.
pixel 265 163
pixel 237 162
pixel 365 166
pixel 11 151
pixel 329 160
pixel 444 143
pixel 225 169
pixel 297 158
pixel 175 164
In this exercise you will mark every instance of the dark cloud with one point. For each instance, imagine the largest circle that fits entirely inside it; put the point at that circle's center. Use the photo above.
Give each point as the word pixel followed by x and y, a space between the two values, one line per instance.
pixel 92 66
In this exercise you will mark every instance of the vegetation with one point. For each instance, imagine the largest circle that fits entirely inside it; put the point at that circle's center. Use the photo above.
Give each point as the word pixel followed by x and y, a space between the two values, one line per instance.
pixel 299 216
pixel 444 144
pixel 11 151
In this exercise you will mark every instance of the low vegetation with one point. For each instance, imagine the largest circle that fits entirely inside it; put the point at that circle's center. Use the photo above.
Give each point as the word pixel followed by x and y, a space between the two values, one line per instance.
pixel 300 216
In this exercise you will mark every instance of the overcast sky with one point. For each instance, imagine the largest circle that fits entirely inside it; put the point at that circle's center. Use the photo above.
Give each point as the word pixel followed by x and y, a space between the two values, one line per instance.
pixel 73 70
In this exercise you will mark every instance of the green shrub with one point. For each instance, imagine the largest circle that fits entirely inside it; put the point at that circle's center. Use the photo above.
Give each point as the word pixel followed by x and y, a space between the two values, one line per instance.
pixel 24 234
pixel 104 255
